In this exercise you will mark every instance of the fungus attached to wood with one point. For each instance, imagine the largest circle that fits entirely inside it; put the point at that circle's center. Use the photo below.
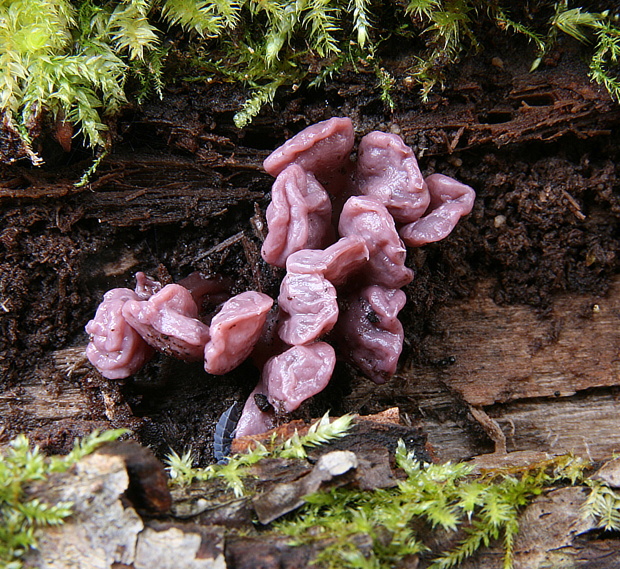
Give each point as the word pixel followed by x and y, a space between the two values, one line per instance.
pixel 342 285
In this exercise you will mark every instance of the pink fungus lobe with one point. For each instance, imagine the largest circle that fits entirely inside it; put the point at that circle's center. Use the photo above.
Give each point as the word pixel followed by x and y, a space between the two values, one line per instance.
pixel 369 332
pixel 366 217
pixel 322 149
pixel 336 263
pixel 297 374
pixel 115 348
pixel 298 217
pixel 168 322
pixel 235 329
pixel 388 170
pixel 253 420
pixel 450 200
pixel 207 290
pixel 146 286
pixel 308 308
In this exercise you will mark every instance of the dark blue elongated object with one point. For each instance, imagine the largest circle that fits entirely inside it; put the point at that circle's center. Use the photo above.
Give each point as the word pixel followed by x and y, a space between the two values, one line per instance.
pixel 225 432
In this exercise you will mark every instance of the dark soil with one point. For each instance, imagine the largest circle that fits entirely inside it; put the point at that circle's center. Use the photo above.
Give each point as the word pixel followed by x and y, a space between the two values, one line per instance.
pixel 539 148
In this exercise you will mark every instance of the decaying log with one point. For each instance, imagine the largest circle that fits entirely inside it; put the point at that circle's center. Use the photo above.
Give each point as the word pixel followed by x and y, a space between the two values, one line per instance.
pixel 548 379
pixel 109 529
pixel 540 375
pixel 507 353
pixel 180 192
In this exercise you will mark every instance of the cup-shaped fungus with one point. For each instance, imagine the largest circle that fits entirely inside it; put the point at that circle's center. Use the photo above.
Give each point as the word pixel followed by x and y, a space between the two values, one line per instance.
pixel 168 321
pixel 297 374
pixel 369 333
pixel 366 217
pixel 322 149
pixel 387 170
pixel 115 348
pixel 235 329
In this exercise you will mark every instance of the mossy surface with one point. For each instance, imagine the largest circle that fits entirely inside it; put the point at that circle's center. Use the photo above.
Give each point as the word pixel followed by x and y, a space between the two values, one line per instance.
pixel 20 514
pixel 70 66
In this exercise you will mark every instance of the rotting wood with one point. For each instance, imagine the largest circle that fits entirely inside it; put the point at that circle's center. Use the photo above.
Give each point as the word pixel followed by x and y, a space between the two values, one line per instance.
pixel 182 163
pixel 106 530
pixel 541 377
pixel 506 353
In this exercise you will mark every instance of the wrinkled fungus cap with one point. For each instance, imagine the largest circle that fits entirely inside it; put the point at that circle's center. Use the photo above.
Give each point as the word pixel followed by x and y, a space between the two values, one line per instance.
pixel 336 263
pixel 168 322
pixel 115 348
pixel 369 333
pixel 322 149
pixel 365 217
pixel 297 374
pixel 387 170
pixel 450 200
pixel 308 308
pixel 235 329
pixel 298 217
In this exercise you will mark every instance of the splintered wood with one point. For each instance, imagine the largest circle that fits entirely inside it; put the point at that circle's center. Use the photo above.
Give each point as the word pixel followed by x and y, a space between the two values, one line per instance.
pixel 535 373
pixel 506 353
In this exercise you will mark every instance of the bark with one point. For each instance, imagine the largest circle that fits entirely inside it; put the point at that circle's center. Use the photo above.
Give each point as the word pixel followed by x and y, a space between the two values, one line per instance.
pixel 205 526
pixel 511 325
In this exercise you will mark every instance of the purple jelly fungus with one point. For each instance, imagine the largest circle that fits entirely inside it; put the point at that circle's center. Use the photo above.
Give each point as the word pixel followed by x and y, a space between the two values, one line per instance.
pixel 450 200
pixel 253 420
pixel 211 291
pixel 235 329
pixel 168 322
pixel 336 263
pixel 388 171
pixel 369 333
pixel 339 227
pixel 308 308
pixel 298 217
pixel 365 217
pixel 115 348
pixel 146 286
pixel 323 149
pixel 297 374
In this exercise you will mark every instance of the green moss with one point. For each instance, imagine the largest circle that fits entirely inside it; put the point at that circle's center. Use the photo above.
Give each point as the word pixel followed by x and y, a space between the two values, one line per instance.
pixel 70 60
pixel 20 516
pixel 232 473
pixel 448 502
pixel 434 499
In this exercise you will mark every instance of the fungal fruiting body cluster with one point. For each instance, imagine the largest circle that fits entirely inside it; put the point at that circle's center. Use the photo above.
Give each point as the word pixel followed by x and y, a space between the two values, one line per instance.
pixel 339 228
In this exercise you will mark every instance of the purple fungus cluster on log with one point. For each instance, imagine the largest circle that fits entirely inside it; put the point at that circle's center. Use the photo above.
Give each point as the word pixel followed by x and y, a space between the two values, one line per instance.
pixel 130 326
pixel 349 290
pixel 339 227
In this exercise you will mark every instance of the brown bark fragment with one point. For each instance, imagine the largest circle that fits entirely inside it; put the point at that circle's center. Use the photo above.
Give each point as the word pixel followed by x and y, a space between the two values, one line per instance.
pixel 505 353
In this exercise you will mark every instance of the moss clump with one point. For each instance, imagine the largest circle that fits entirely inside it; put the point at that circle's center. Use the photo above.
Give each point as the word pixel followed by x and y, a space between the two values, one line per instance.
pixel 20 516
pixel 434 500
pixel 70 61
pixel 232 473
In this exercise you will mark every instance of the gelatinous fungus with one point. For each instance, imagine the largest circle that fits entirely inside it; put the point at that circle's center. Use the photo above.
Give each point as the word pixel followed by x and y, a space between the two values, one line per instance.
pixel 342 283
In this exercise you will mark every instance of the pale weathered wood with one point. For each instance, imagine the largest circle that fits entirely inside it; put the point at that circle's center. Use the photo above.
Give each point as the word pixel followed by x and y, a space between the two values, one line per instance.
pixel 587 425
pixel 504 353
pixel 547 378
